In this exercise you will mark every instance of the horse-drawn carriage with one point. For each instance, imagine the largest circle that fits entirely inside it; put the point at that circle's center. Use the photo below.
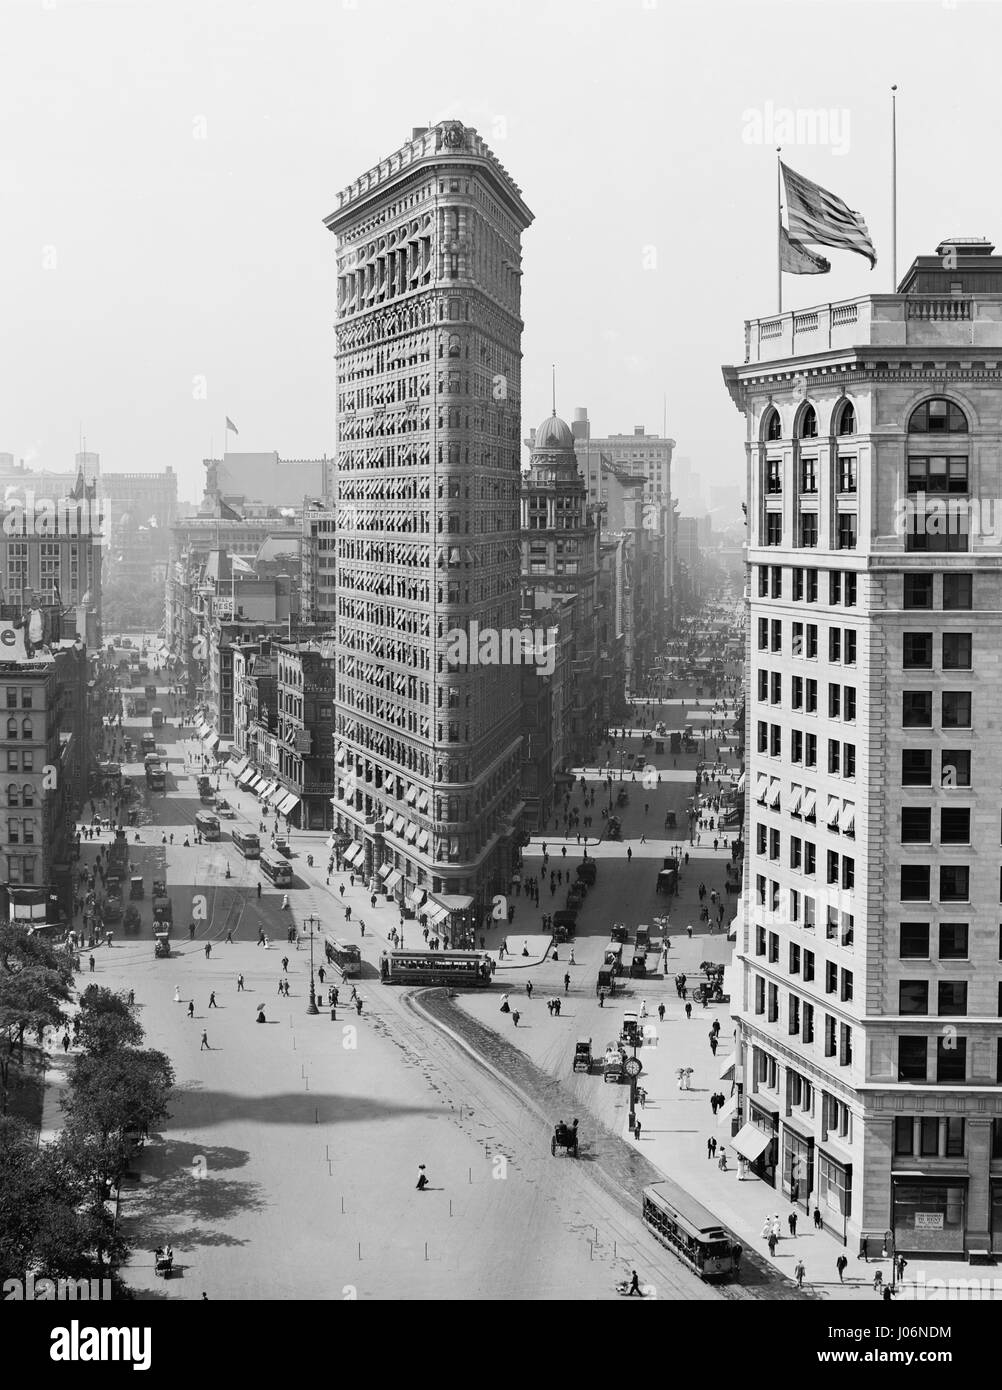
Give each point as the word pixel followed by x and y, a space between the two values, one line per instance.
pixel 565 1137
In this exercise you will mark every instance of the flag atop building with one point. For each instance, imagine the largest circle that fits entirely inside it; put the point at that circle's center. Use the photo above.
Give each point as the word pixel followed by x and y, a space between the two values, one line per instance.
pixel 795 259
pixel 230 425
pixel 816 215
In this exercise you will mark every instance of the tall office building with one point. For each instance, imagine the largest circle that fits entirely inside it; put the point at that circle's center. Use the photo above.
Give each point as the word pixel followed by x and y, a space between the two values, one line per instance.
pixel 426 486
pixel 870 1011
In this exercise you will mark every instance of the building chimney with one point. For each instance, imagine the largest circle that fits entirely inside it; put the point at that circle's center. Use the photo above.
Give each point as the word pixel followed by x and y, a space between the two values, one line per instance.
pixel 580 425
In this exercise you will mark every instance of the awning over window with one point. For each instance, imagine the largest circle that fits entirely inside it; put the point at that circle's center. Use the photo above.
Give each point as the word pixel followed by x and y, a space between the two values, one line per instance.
pixel 761 787
pixel 437 914
pixel 423 801
pixel 263 788
pixel 796 797
pixel 385 870
pixel 246 777
pixel 848 819
pixel 416 898
pixel 255 782
pixel 354 853
pixel 398 825
pixel 289 804
pixel 411 833
pixel 395 877
pixel 751 1142
pixel 834 806
pixel 740 783
pixel 210 740
pixel 340 756
pixel 810 803
pixel 775 788
pixel 411 795
pixel 277 793
pixel 422 839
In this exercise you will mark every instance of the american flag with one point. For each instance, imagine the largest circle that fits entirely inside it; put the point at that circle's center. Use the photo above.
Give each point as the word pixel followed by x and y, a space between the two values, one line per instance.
pixel 816 215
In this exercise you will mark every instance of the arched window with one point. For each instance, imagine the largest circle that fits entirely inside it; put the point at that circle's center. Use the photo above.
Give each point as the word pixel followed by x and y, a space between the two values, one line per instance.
pixel 12 794
pixel 809 424
pixel 27 795
pixel 774 426
pixel 26 729
pixel 12 728
pixel 454 345
pixel 938 416
pixel 847 419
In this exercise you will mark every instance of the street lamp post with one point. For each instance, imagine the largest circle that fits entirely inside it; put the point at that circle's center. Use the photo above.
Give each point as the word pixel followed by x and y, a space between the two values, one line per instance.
pixel 311 1008
pixel 889 1249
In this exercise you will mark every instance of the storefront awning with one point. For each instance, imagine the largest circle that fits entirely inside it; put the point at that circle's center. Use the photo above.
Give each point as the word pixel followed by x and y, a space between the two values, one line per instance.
pixel 246 777
pixel 728 1108
pixel 210 740
pixel 238 768
pixel 437 914
pixel 394 878
pixel 385 870
pixel 353 854
pixel 289 804
pixel 727 1067
pixel 751 1142
pixel 416 898
pixel 263 788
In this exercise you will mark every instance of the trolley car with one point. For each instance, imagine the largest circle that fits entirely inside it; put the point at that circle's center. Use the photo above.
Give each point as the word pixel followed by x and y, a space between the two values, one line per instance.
pixel 690 1232
pixel 435 968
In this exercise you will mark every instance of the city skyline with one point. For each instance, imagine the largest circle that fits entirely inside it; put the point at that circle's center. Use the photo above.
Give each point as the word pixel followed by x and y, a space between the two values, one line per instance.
pixel 193 311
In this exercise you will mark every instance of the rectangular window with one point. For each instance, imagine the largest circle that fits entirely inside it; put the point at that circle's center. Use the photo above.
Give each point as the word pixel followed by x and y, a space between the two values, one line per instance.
pixel 957 648
pixel 849 598
pixel 916 825
pixel 956 767
pixel 793 1017
pixel 763 685
pixel 849 647
pixel 954 883
pixel 772 1010
pixel 951 1058
pixel 831 977
pixel 810 857
pixel 914 941
pixel 915 883
pixel 834 586
pixel 798 586
pixel 954 1136
pixel 918 591
pixel 773 947
pixel 829 1036
pixel 834 701
pixel 956 709
pixel 774 528
pixel 811 642
pixel 809 530
pixel 916 767
pixel 776 635
pixel 952 998
pixel 808 1033
pixel 809 475
pixel 845 535
pixel 835 644
pixel 775 740
pixel 811 751
pixel 912 1059
pixel 917 651
pixel 794 959
pixel 776 693
pixel 811 696
pixel 797 692
pixel 812 586
pixel 958 591
pixel 955 826
pixel 763 736
pixel 847 475
pixel 808 966
pixel 913 996
pixel 849 703
pixel 832 876
pixel 849 760
pixel 904 1142
pixel 796 851
pixel 916 709
pixel 796 746
pixel 774 476
pixel 759 994
pixel 763 581
pixel 937 474
pixel 773 844
pixel 777 581
pixel 834 755
pixel 953 941
pixel 763 634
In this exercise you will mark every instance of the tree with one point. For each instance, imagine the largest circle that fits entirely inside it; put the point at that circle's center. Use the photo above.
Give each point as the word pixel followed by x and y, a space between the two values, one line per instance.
pixel 50 1224
pixel 34 985
pixel 107 1022
pixel 113 1093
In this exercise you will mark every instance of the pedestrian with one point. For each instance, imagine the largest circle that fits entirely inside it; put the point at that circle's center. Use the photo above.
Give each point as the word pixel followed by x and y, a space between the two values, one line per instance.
pixel 634 1286
pixel 817 1219
pixel 791 1221
pixel 567 983
pixel 636 1129
pixel 799 1272
pixel 347 914
pixel 358 1005
pixel 285 967
pixel 661 1012
pixel 212 1000
pixel 722 1160
pixel 711 1148
pixel 422 1181
pixel 713 1044
pixel 688 1010
pixel 900 1263
pixel 66 1042
pixel 321 973
pixel 208 949
pixel 878 1280
pixel 205 1042
pixel 772 1244
pixel 91 958
pixel 259 890
pixel 240 983
pixel 528 989
pixel 191 1008
pixel 840 1265
pixel 515 1016
pixel 191 931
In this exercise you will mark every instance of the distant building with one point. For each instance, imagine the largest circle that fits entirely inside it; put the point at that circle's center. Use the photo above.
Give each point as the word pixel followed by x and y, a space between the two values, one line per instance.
pixel 266 478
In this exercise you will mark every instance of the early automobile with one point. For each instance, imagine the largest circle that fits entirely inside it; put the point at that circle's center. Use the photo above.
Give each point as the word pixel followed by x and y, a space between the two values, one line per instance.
pixel 631 1033
pixel 282 846
pixel 224 809
pixel 612 1064
pixel 565 1137
pixel 582 1055
pixel 136 886
pixel 161 947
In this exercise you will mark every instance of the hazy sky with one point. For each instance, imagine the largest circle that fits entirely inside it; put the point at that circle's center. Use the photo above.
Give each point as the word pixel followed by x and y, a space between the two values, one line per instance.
pixel 165 166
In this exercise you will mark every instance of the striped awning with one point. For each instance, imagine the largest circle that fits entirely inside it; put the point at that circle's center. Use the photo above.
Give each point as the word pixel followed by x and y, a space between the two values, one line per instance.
pixel 416 898
pixel 289 804
pixel 247 776
pixel 238 768
pixel 385 869
pixel 422 839
pixel 277 794
pixel 398 825
pixel 352 855
pixel 394 878
pixel 436 914
pixel 264 788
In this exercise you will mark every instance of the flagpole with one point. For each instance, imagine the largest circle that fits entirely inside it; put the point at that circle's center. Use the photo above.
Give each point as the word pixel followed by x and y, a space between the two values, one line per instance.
pixel 894 189
pixel 779 227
